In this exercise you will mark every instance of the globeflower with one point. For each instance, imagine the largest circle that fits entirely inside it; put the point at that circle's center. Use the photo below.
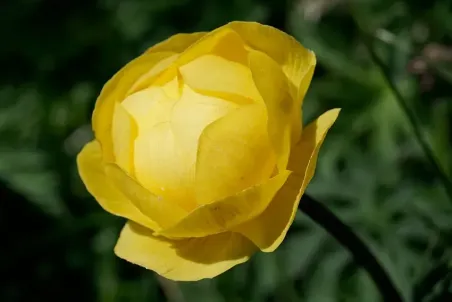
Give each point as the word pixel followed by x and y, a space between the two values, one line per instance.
pixel 199 144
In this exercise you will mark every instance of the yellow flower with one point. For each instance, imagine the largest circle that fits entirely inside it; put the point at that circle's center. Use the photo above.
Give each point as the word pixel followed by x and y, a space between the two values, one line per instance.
pixel 199 144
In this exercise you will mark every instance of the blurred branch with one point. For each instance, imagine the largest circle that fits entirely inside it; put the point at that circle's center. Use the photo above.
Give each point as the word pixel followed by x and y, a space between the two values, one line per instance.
pixel 403 103
pixel 439 272
pixel 425 285
pixel 170 289
pixel 345 236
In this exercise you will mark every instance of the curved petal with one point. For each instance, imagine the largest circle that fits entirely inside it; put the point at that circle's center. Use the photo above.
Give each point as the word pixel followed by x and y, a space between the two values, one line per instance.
pixel 147 79
pixel 91 169
pixel 274 89
pixel 166 148
pixel 268 230
pixel 222 215
pixel 116 90
pixel 234 153
pixel 176 43
pixel 217 76
pixel 222 42
pixel 136 75
pixel 163 212
pixel 124 132
pixel 295 60
pixel 297 113
pixel 143 107
pixel 183 260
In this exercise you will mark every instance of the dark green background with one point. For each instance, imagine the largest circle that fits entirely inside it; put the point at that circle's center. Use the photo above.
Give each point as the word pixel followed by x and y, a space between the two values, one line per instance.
pixel 56 242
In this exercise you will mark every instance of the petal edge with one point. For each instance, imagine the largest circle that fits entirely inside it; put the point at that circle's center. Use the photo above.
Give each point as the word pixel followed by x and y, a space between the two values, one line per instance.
pixel 92 173
pixel 269 229
pixel 183 260
pixel 222 215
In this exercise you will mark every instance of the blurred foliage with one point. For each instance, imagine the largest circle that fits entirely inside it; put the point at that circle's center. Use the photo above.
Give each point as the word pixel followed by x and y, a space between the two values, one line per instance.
pixel 57 242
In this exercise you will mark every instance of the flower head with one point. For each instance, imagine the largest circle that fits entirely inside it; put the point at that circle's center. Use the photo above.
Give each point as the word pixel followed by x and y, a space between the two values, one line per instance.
pixel 199 144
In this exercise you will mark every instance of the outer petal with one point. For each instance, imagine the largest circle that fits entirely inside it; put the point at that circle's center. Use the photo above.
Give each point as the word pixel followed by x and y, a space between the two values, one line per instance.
pixel 213 75
pixel 183 260
pixel 176 43
pixel 116 90
pixel 163 212
pixel 234 153
pixel 222 42
pixel 268 230
pixel 124 131
pixel 136 75
pixel 92 172
pixel 297 62
pixel 297 113
pixel 274 90
pixel 224 214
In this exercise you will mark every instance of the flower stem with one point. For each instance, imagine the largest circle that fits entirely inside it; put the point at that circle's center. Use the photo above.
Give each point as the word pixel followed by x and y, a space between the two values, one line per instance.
pixel 346 237
pixel 414 123
pixel 404 105
pixel 430 280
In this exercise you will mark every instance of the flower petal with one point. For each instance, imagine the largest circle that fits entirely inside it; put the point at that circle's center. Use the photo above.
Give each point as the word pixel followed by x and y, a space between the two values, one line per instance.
pixel 163 212
pixel 234 153
pixel 216 76
pixel 297 113
pixel 147 79
pixel 268 230
pixel 136 75
pixel 274 90
pixel 166 148
pixel 295 60
pixel 229 212
pixel 124 132
pixel 189 259
pixel 176 43
pixel 91 169
pixel 116 90
pixel 222 42
pixel 143 107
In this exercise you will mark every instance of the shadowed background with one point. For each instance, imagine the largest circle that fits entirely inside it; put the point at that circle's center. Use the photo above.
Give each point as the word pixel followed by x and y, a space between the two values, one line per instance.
pixel 57 243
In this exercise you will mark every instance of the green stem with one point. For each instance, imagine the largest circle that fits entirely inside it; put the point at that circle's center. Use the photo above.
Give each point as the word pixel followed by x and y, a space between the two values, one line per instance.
pixel 425 286
pixel 346 237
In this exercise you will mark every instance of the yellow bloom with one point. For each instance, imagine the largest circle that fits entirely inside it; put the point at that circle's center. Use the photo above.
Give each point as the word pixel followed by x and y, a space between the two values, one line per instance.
pixel 199 144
